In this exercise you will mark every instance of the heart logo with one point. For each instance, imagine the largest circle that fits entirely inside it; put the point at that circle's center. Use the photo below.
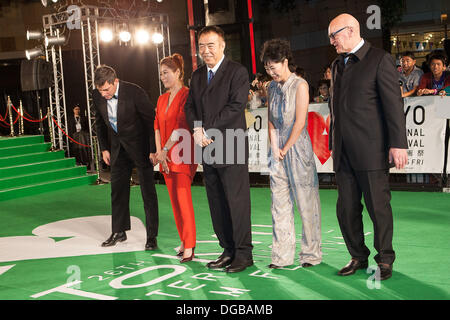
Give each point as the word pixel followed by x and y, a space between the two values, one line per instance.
pixel 318 129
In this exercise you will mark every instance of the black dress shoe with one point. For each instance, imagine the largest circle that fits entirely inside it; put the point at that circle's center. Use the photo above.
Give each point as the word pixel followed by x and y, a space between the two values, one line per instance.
pixel 274 266
pixel 238 266
pixel 151 244
pixel 114 238
pixel 306 265
pixel 352 266
pixel 385 271
pixel 221 262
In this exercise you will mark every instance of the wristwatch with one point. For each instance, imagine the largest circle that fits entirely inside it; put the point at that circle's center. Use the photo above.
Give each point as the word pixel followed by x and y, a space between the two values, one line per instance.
pixel 165 149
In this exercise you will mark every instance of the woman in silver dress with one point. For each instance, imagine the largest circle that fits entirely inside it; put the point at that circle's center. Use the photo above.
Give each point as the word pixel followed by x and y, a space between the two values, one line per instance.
pixel 293 173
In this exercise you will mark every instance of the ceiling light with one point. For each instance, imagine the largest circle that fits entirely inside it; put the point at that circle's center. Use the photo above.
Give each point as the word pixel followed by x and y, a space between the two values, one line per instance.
pixel 157 38
pixel 142 36
pixel 106 35
pixel 33 53
pixel 124 36
pixel 54 41
pixel 34 34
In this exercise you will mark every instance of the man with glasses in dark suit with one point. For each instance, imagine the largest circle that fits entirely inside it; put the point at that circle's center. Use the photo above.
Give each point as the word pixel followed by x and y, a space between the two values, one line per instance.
pixel 367 137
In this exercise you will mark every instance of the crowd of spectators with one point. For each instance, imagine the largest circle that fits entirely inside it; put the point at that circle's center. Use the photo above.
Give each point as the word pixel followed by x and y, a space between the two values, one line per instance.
pixel 413 81
pixel 432 78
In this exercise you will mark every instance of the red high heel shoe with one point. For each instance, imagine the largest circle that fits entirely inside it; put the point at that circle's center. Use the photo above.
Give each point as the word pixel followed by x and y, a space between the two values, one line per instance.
pixel 188 258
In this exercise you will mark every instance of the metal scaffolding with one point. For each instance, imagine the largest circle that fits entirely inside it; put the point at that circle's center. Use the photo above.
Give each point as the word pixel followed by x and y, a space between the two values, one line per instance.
pixel 89 17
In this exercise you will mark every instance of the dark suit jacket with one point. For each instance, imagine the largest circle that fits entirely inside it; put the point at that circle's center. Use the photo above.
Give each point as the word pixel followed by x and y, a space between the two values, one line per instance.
pixel 367 113
pixel 71 124
pixel 221 105
pixel 135 117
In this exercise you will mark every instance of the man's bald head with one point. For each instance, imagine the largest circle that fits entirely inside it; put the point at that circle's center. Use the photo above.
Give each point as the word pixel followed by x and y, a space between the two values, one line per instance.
pixel 344 32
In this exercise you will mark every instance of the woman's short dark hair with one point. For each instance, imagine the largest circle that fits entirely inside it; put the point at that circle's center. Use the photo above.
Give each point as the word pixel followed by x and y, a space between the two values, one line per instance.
pixel 103 74
pixel 277 50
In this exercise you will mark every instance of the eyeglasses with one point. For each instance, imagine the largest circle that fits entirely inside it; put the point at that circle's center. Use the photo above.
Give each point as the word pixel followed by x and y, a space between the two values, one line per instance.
pixel 332 36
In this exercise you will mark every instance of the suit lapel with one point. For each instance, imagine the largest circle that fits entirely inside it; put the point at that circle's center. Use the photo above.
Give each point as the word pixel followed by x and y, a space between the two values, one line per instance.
pixel 120 104
pixel 203 83
pixel 219 74
pixel 103 109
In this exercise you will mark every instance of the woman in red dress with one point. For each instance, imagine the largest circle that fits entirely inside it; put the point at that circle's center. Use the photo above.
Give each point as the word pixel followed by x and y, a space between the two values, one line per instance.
pixel 175 151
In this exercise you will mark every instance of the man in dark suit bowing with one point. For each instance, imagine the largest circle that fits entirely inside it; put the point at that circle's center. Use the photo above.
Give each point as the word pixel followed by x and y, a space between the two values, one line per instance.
pixel 124 121
pixel 215 111
pixel 368 135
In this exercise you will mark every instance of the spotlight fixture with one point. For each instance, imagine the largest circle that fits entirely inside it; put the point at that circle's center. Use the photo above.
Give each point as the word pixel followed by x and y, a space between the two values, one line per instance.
pixel 33 53
pixel 142 36
pixel 157 38
pixel 54 41
pixel 124 36
pixel 106 35
pixel 159 1
pixel 34 34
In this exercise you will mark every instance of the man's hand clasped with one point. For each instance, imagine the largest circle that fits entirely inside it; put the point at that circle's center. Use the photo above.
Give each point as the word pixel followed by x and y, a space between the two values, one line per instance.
pixel 199 137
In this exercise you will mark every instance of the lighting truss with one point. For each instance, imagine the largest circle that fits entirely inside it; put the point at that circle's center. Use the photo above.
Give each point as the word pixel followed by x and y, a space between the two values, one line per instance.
pixel 56 25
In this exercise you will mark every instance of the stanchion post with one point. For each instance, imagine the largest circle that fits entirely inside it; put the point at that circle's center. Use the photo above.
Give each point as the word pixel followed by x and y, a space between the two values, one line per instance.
pixel 41 127
pixel 21 127
pixel 11 122
pixel 50 130
pixel 96 159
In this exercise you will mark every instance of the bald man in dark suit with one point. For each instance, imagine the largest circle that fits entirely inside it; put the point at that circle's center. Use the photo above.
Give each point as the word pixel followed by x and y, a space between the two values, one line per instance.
pixel 368 136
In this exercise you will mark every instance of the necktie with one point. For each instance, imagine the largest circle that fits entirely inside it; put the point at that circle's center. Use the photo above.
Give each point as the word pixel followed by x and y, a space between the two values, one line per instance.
pixel 210 76
pixel 348 56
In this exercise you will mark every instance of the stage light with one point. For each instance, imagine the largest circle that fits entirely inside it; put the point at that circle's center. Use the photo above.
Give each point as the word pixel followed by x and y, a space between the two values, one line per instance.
pixel 142 36
pixel 157 38
pixel 54 41
pixel 159 1
pixel 54 1
pixel 34 35
pixel 106 35
pixel 124 36
pixel 33 53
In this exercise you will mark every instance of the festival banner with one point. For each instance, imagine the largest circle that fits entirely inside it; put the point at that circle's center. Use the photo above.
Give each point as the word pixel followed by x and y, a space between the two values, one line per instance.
pixel 258 142
pixel 425 128
pixel 319 129
pixel 426 136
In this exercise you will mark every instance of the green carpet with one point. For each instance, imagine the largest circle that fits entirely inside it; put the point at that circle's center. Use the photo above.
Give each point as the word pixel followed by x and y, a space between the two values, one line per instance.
pixel 41 251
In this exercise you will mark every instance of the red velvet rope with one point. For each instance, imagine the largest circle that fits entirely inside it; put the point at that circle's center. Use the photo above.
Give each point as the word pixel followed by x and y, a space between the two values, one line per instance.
pixel 31 120
pixel 4 118
pixel 17 118
pixel 68 135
